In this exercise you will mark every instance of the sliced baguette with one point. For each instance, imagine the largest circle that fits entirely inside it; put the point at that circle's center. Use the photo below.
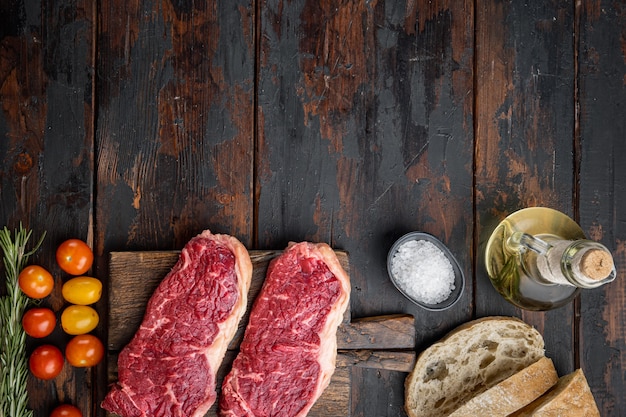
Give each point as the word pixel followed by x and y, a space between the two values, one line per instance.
pixel 570 397
pixel 468 361
pixel 513 393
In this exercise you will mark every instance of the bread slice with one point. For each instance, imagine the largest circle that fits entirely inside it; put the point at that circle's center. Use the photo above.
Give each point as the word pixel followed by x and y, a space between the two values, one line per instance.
pixel 570 397
pixel 513 393
pixel 468 361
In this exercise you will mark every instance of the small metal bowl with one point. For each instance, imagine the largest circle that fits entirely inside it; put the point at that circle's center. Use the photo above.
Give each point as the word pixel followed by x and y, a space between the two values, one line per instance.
pixel 459 277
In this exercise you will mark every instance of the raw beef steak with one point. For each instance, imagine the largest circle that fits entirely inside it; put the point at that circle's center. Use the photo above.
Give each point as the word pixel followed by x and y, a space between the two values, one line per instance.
pixel 169 367
pixel 288 352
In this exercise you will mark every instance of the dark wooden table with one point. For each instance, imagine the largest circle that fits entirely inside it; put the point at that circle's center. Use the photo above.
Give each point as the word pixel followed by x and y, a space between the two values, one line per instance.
pixel 135 125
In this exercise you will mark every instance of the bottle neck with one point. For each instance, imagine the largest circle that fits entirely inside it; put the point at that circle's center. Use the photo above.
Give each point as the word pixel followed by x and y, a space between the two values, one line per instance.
pixel 588 264
pixel 580 263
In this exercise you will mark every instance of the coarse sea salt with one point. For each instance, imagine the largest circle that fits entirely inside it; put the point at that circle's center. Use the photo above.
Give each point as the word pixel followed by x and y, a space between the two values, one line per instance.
pixel 423 271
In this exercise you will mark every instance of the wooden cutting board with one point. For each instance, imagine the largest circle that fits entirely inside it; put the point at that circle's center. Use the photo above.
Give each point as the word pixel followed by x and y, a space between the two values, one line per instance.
pixel 383 342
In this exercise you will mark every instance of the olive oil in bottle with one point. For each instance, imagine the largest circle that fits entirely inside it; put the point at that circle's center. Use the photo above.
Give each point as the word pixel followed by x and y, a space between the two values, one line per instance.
pixel 539 259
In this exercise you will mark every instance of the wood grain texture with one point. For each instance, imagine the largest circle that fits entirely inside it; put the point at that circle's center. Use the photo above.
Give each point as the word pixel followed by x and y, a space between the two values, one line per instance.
pixel 175 137
pixel 46 146
pixel 379 332
pixel 524 137
pixel 344 144
pixel 389 360
pixel 180 75
pixel 365 133
pixel 602 95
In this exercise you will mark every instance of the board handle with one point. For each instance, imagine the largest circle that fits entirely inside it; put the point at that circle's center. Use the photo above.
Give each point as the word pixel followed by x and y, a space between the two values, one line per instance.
pixel 394 332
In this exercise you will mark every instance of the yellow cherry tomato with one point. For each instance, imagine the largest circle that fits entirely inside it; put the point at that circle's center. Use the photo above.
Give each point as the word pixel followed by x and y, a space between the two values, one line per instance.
pixel 77 319
pixel 82 290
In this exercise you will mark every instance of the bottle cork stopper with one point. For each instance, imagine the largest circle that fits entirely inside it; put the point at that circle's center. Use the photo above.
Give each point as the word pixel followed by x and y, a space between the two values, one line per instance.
pixel 596 264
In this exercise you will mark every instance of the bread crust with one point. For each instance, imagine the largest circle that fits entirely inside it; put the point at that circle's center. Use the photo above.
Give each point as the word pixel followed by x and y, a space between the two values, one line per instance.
pixel 467 361
pixel 570 397
pixel 513 393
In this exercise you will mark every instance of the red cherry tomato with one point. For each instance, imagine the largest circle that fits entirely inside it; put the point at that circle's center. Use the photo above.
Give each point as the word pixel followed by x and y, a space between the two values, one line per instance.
pixel 84 351
pixel 35 281
pixel 74 256
pixel 39 322
pixel 46 362
pixel 66 410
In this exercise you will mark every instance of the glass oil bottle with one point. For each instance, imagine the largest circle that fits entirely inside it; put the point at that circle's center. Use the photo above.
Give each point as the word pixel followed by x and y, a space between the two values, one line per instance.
pixel 539 259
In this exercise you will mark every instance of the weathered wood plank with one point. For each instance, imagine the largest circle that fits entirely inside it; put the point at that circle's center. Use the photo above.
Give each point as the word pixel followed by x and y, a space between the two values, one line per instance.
pixel 602 95
pixel 399 361
pixel 524 137
pixel 365 133
pixel 46 123
pixel 46 146
pixel 175 128
pixel 378 332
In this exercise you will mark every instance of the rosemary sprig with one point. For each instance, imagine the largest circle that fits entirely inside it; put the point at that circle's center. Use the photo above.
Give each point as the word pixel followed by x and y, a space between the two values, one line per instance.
pixel 13 361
